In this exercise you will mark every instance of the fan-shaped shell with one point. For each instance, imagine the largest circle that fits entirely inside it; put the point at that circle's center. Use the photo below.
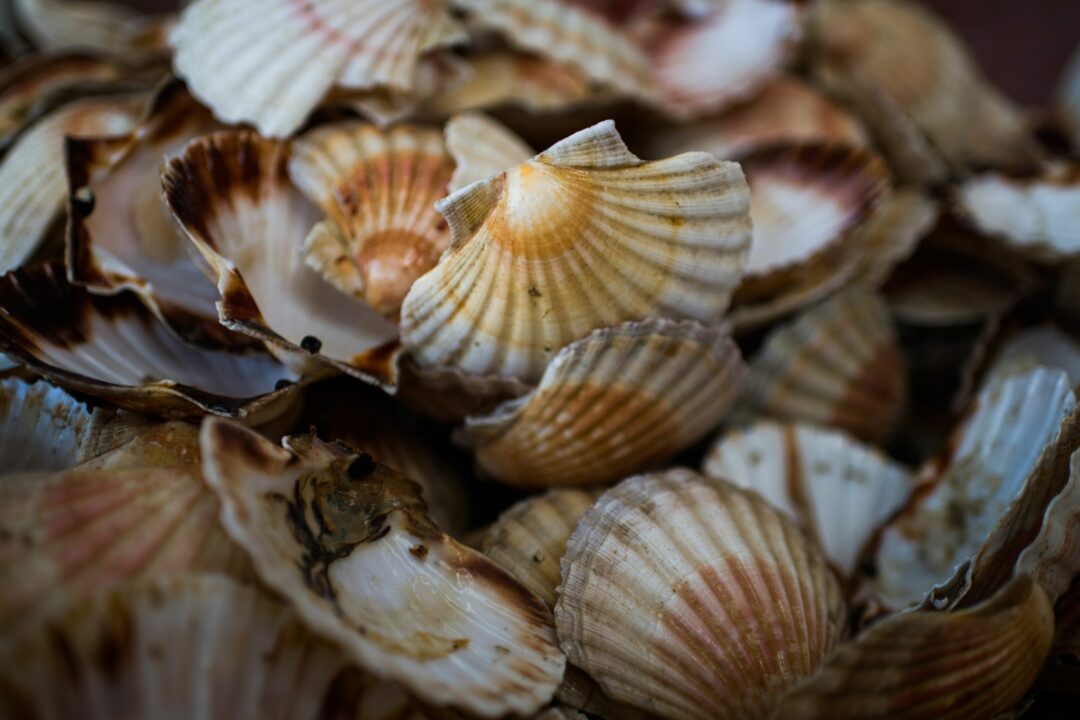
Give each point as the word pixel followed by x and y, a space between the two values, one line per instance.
pixel 231 193
pixel 114 348
pixel 977 663
pixel 270 62
pixel 481 147
pixel 584 235
pixel 378 189
pixel 165 445
pixel 1053 557
pixel 32 171
pixel 106 27
pixel 694 600
pixel 839 364
pixel 404 600
pixel 187 647
pixel 837 489
pixel 893 231
pixel 449 395
pixel 616 402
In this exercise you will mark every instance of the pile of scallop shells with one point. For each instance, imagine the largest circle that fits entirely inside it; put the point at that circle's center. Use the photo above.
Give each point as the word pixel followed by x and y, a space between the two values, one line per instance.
pixel 753 395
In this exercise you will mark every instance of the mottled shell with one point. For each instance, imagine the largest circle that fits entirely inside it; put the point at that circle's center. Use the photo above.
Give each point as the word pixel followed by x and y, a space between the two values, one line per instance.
pixel 378 189
pixel 619 401
pixel 693 599
pixel 585 235
pixel 838 490
pixel 226 190
pixel 114 348
pixel 481 147
pixel 839 364
pixel 976 663
pixel 270 62
pixel 348 542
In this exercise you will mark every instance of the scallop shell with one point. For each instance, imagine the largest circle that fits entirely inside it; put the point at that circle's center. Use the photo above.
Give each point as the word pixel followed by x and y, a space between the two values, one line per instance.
pixel 529 538
pixel 68 535
pixel 893 231
pixel 618 401
pixel 378 189
pixel 165 445
pixel 1053 557
pixel 105 27
pixel 1034 215
pixel 631 240
pixel 406 601
pixel 839 364
pixel 112 347
pixel 190 647
pixel 270 62
pixel 120 235
pixel 977 663
pixel 481 147
pixel 32 172
pixel 1036 346
pixel 838 490
pixel 226 190
pixel 693 599
pixel 449 395
pixel 992 476
pixel 722 57
pixel 786 111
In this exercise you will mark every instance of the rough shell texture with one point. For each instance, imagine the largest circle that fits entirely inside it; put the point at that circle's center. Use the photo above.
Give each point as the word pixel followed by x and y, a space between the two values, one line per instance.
pixel 187 647
pixel 449 395
pixel 163 445
pixel 378 189
pixel 839 364
pixel 975 663
pixel 348 542
pixel 270 62
pixel 617 402
pixel 693 599
pixel 232 195
pixel 1053 557
pixel 838 490
pixel 585 235
pixel 481 147
pixel 114 348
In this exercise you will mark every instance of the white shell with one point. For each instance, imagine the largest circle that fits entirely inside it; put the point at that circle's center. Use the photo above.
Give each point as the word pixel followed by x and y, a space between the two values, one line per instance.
pixel 482 146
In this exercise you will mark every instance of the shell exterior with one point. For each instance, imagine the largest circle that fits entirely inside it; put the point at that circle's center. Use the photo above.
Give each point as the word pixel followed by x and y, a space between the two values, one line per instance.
pixel 893 231
pixel 449 395
pixel 787 110
pixel 838 490
pixel 723 57
pixel 1032 347
pixel 378 189
pixel 231 652
pixel 226 190
pixel 270 62
pixel 1053 557
pixel 126 238
pixel 105 27
pixel 112 347
pixel 32 171
pixel 619 401
pixel 1035 215
pixel 68 535
pixel 405 601
pixel 693 599
pixel 990 477
pixel 839 364
pixel 482 147
pixel 529 538
pixel 584 235
pixel 924 665
pixel 165 445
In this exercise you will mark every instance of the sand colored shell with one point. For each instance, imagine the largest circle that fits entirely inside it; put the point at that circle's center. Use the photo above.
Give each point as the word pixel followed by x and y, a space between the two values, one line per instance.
pixel 720 58
pixel 529 539
pixel 405 601
pixel 378 189
pixel 904 67
pixel 1053 557
pixel 449 395
pixel 1034 215
pixel 1037 346
pixel 584 235
pixel 164 445
pixel 32 171
pixel 976 663
pixel 693 599
pixel 112 347
pixel 838 490
pixel 839 364
pixel 787 110
pixel 481 147
pixel 997 473
pixel 120 234
pixel 270 62
pixel 187 647
pixel 619 401
pixel 106 27
pixel 893 231
pixel 231 194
